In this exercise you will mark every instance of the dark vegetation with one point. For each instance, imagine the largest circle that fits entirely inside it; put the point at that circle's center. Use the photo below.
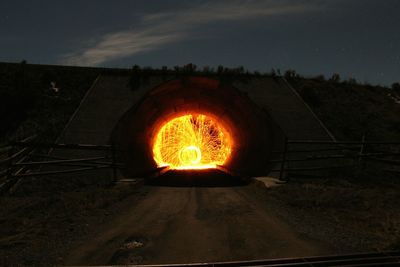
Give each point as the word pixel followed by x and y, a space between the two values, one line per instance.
pixel 29 103
pixel 41 220
pixel 350 109
pixel 140 76
pixel 349 215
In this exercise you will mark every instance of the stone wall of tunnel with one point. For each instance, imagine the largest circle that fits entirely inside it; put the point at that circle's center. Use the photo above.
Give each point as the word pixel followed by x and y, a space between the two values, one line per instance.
pixel 255 135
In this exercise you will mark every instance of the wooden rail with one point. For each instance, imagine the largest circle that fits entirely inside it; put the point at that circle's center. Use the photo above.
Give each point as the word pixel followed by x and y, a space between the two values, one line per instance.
pixel 312 142
pixel 43 173
pixel 298 151
pixel 16 164
pixel 56 162
pixel 64 146
pixel 391 258
pixel 20 164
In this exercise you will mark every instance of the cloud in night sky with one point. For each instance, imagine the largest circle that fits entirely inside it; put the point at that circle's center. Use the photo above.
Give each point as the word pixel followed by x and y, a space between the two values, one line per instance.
pixel 158 29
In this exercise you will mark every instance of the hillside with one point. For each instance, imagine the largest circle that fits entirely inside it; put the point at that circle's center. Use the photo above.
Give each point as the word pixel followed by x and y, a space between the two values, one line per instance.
pixel 29 103
pixel 350 110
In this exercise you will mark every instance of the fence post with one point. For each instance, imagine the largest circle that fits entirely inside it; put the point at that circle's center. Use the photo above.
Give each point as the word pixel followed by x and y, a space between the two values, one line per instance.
pixel 359 157
pixel 114 165
pixel 10 162
pixel 283 163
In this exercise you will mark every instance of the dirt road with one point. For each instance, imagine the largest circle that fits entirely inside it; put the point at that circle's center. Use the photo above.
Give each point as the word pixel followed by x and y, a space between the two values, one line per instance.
pixel 193 224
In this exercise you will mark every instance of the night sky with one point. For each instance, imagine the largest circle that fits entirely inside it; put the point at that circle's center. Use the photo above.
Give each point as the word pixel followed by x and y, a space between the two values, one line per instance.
pixel 355 38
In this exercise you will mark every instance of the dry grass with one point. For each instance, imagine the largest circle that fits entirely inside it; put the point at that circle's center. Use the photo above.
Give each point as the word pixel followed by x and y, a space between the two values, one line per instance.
pixel 350 110
pixel 38 225
pixel 349 216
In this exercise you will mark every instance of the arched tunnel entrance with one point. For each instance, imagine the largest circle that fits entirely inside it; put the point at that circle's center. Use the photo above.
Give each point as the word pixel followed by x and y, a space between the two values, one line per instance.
pixel 196 123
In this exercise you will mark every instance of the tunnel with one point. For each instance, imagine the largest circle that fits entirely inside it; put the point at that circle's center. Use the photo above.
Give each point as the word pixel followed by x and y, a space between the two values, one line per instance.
pixel 195 123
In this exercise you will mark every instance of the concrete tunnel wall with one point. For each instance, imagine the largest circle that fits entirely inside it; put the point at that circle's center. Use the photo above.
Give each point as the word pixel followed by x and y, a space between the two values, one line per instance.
pixel 255 135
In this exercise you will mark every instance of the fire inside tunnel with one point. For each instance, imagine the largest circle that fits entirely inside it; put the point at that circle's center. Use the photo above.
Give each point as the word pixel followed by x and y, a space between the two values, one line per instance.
pixel 192 142
pixel 196 123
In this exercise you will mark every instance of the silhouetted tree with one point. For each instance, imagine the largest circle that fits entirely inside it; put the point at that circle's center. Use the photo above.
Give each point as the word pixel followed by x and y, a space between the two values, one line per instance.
pixel 189 68
pixel 335 78
pixel 273 72
pixel 240 70
pixel 206 70
pixel 396 88
pixel 164 72
pixel 136 68
pixel 135 79
pixel 290 74
pixel 220 69
pixel 320 78
pixel 352 81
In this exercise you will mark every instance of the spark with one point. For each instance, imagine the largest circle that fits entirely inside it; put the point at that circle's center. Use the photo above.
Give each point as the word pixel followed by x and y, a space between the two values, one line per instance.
pixel 192 142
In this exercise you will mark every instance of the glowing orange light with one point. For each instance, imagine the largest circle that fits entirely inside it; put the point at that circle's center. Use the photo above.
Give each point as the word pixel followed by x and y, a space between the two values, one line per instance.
pixel 192 142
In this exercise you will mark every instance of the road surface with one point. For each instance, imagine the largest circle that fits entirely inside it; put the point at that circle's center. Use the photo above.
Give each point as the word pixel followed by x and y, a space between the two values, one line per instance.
pixel 193 224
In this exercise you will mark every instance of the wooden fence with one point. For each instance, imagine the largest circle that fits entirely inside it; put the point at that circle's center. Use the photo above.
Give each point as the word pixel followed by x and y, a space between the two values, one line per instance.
pixel 333 154
pixel 27 158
